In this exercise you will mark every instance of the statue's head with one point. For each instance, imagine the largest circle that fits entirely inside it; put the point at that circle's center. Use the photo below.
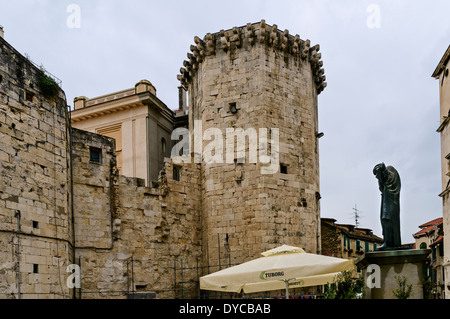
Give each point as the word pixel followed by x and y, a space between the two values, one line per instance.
pixel 378 169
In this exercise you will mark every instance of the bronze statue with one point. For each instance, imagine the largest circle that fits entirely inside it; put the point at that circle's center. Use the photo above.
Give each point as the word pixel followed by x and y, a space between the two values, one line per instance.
pixel 390 185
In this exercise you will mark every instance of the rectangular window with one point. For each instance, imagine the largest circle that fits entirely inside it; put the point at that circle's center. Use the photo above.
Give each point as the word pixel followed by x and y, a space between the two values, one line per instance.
pixel 35 224
pixel 176 173
pixel 35 268
pixel 114 132
pixel 95 155
pixel 283 169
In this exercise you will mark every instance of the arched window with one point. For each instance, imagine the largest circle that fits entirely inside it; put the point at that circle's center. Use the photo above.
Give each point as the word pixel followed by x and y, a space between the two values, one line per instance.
pixel 423 246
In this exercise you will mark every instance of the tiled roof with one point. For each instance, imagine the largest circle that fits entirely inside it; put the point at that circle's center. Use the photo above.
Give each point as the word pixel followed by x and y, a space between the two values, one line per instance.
pixel 428 226
pixel 433 222
pixel 437 240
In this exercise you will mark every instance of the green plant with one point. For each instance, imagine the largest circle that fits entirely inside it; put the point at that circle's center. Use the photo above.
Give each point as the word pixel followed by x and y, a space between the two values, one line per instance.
pixel 429 288
pixel 344 287
pixel 404 289
pixel 48 86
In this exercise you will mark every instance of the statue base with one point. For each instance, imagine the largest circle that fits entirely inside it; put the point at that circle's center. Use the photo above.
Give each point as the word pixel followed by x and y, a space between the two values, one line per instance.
pixel 380 269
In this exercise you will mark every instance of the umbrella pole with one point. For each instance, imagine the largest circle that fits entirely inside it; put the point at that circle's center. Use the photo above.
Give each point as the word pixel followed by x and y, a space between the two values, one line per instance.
pixel 287 289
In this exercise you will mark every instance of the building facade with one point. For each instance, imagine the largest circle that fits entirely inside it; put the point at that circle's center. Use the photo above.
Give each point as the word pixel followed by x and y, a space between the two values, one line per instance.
pixel 140 123
pixel 431 236
pixel 441 73
pixel 347 241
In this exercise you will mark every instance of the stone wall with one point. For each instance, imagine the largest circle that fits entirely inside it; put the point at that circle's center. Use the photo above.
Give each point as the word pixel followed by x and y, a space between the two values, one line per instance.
pixel 129 236
pixel 35 214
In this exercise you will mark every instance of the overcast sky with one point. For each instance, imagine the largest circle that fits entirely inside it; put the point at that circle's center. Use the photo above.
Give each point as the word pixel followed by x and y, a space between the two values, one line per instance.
pixel 381 104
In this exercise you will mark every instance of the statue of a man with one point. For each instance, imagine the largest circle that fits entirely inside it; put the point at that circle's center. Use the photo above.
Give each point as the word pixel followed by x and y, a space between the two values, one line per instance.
pixel 389 183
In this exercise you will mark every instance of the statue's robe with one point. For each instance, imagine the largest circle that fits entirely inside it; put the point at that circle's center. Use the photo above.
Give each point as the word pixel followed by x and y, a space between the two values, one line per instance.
pixel 390 186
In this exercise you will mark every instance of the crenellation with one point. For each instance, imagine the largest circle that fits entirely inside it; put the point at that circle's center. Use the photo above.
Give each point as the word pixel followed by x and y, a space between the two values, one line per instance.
pixel 231 40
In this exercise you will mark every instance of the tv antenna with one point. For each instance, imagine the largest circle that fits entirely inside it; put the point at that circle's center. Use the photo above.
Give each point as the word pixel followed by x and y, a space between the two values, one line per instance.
pixel 356 213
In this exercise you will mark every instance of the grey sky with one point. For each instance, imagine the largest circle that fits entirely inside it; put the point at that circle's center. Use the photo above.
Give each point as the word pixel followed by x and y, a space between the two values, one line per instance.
pixel 381 104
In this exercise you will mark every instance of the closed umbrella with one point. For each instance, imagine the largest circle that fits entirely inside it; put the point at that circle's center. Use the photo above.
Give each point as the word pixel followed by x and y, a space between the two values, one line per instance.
pixel 280 268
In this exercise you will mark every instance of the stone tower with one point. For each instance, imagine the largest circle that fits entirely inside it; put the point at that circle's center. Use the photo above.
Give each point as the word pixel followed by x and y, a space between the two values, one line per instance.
pixel 259 84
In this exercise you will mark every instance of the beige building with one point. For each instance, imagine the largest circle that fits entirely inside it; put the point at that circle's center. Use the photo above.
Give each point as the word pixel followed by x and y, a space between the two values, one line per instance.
pixel 140 123
pixel 431 236
pixel 441 73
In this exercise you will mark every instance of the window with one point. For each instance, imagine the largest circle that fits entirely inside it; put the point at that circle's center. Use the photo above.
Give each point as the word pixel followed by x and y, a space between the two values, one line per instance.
pixel 423 246
pixel 29 96
pixel 176 173
pixel 35 268
pixel 114 132
pixel 283 169
pixel 35 224
pixel 233 108
pixel 95 155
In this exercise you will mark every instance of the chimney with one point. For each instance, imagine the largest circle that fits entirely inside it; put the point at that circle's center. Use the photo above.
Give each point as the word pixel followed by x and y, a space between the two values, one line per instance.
pixel 2 33
pixel 79 102
pixel 182 103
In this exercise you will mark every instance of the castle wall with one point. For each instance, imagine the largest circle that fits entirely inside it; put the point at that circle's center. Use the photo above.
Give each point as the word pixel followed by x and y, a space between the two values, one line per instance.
pixel 35 213
pixel 129 236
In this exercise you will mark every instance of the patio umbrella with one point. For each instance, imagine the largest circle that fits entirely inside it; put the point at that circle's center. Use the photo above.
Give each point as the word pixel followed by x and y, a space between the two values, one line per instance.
pixel 280 268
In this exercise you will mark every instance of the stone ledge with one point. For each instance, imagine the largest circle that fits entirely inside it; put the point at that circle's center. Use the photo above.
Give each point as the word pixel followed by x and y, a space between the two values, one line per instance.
pixel 393 257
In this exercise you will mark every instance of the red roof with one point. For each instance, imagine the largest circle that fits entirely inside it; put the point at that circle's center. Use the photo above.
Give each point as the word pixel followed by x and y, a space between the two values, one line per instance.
pixel 429 226
pixel 434 222
pixel 437 240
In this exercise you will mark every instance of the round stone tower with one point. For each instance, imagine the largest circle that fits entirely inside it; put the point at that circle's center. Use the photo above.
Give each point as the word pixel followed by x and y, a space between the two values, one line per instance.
pixel 254 130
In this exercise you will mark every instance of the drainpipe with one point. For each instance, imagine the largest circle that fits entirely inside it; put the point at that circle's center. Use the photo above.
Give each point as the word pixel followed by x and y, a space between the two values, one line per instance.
pixel 19 277
pixel 71 191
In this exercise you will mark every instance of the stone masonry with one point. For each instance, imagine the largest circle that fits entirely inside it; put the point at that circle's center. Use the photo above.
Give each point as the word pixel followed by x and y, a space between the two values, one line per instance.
pixel 130 239
pixel 273 79
pixel 120 224
pixel 35 212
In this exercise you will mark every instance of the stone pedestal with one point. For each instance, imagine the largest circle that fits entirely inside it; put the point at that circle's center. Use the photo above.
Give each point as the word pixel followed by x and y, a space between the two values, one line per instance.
pixel 379 269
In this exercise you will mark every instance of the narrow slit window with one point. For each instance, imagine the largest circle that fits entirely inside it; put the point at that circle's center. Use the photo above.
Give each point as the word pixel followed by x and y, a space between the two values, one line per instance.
pixel 176 173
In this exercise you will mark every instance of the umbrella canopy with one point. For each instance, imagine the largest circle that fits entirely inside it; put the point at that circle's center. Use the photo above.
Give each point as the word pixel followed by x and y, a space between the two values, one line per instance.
pixel 279 268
